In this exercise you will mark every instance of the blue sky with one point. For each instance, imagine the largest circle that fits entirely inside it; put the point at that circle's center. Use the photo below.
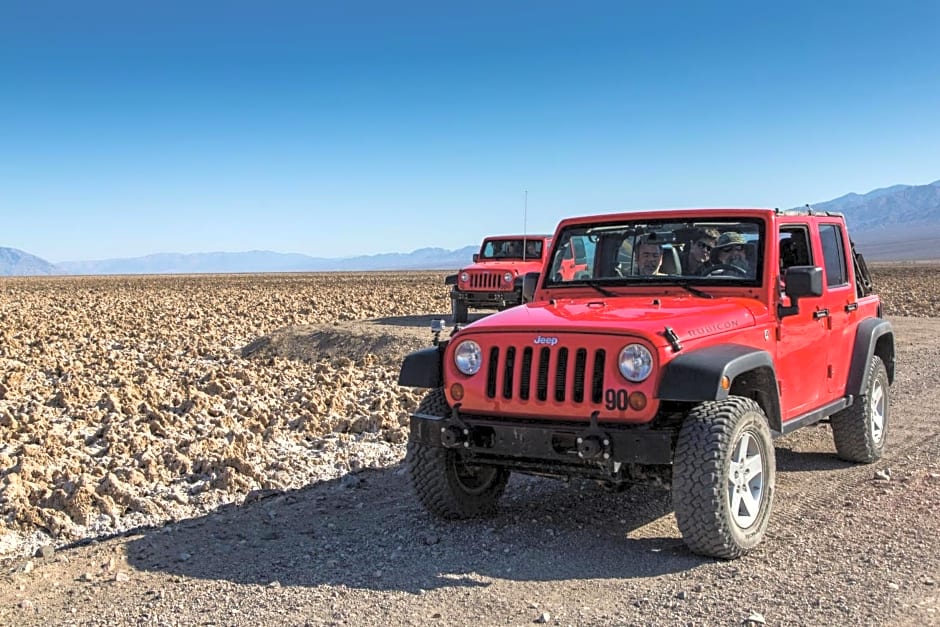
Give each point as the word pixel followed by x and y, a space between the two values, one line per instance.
pixel 339 129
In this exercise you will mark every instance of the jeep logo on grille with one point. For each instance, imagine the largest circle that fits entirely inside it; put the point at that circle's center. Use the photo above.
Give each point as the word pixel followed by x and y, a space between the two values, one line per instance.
pixel 551 341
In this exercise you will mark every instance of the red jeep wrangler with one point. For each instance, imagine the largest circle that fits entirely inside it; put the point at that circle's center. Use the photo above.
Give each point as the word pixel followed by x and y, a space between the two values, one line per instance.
pixel 640 369
pixel 494 281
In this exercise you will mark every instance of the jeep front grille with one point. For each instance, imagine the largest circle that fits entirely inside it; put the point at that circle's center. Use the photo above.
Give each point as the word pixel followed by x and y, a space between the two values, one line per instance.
pixel 557 373
pixel 486 280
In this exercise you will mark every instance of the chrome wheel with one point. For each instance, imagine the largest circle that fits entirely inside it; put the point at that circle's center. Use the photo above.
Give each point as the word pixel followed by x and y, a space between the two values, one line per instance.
pixel 877 408
pixel 746 480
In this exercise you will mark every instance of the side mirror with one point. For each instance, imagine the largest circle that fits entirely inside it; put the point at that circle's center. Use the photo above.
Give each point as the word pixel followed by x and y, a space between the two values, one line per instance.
pixel 803 281
pixel 800 282
pixel 476 257
pixel 529 282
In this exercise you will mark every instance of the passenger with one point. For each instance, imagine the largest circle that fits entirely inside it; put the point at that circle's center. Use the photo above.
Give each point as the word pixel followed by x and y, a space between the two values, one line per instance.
pixel 696 256
pixel 649 256
pixel 533 249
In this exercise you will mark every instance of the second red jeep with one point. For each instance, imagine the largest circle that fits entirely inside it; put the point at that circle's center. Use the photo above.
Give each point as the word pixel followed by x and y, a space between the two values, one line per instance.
pixel 494 280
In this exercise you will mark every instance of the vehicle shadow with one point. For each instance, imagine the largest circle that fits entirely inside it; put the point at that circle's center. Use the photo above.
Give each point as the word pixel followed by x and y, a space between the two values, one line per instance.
pixel 424 321
pixel 789 460
pixel 368 531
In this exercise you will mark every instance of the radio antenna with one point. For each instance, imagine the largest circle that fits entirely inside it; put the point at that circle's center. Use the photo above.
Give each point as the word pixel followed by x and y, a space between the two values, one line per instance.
pixel 525 219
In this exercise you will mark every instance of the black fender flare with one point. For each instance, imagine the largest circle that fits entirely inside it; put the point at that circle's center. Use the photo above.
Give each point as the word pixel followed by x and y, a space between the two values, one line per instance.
pixel 873 336
pixel 450 279
pixel 423 368
pixel 696 376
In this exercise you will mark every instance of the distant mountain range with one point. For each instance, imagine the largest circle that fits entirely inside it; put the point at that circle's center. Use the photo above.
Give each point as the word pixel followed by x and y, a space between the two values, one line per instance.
pixel 267 261
pixel 896 223
pixel 14 262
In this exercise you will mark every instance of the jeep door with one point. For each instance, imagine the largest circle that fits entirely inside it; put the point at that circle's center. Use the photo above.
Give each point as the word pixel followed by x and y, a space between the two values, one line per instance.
pixel 839 301
pixel 802 359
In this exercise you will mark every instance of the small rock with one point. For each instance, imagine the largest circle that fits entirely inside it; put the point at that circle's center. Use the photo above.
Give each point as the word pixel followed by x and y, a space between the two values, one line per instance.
pixel 754 619
pixel 883 475
pixel 544 617
pixel 893 586
pixel 47 551
pixel 85 577
pixel 274 584
pixel 184 557
pixel 431 539
pixel 699 587
pixel 121 577
pixel 682 595
pixel 928 581
pixel 26 604
pixel 350 481
pixel 28 567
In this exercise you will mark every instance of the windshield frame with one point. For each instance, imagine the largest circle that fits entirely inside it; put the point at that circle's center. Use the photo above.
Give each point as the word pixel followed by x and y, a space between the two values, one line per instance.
pixel 674 235
pixel 521 245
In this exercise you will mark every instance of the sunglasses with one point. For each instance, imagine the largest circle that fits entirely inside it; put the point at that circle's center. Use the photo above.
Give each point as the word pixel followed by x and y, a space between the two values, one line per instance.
pixel 707 247
pixel 737 249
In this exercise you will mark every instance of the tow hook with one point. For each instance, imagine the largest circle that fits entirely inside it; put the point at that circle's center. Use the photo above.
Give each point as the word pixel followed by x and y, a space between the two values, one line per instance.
pixel 453 436
pixel 592 447
pixel 456 432
pixel 593 443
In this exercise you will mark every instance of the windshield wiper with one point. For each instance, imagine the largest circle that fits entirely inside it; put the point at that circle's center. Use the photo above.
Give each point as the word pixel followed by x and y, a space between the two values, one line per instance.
pixel 593 283
pixel 694 290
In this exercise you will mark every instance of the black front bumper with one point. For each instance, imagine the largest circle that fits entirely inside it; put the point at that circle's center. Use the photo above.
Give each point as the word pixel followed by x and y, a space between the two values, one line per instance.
pixel 544 445
pixel 488 300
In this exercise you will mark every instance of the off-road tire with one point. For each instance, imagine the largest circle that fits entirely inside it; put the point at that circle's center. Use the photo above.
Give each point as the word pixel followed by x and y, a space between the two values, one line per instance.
pixel 859 431
pixel 704 487
pixel 459 311
pixel 445 485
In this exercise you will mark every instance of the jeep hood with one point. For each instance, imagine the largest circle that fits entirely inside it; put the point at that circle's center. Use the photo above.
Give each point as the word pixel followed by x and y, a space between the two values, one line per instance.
pixel 691 318
pixel 504 265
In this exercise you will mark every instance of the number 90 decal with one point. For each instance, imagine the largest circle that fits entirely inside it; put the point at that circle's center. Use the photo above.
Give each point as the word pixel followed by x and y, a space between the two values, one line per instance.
pixel 616 399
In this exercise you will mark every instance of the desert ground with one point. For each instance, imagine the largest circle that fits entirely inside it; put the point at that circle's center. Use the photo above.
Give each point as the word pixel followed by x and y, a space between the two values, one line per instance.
pixel 227 449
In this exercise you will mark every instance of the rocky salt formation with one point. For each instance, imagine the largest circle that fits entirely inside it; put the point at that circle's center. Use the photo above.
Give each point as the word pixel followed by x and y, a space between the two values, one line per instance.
pixel 132 401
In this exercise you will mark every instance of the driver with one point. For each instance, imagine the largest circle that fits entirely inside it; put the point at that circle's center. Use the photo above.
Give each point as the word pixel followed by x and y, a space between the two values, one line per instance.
pixel 731 250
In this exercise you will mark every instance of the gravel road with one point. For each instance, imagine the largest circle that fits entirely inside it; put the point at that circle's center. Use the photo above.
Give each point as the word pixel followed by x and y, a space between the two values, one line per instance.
pixel 847 544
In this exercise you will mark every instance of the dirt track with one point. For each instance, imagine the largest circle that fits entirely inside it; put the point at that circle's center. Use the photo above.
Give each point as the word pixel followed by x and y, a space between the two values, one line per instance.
pixel 355 548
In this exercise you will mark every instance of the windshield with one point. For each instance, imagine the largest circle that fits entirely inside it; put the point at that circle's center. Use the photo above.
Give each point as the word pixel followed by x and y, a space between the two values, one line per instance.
pixel 717 251
pixel 517 248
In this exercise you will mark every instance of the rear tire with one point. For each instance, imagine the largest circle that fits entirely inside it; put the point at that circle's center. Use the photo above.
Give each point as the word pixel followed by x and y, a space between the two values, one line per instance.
pixel 459 311
pixel 723 477
pixel 446 485
pixel 859 431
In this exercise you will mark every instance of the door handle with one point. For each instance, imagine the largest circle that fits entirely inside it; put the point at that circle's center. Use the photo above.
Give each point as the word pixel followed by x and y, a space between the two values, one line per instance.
pixel 820 313
pixel 851 307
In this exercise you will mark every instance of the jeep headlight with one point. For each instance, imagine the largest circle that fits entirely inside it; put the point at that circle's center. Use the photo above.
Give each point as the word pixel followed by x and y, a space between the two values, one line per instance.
pixel 507 277
pixel 635 362
pixel 464 277
pixel 468 357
